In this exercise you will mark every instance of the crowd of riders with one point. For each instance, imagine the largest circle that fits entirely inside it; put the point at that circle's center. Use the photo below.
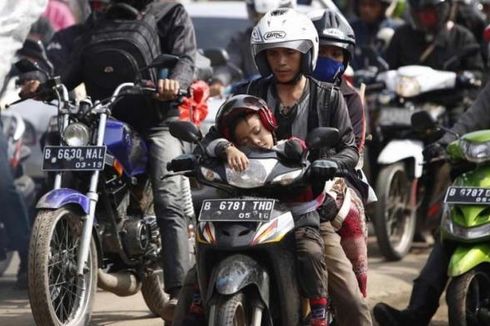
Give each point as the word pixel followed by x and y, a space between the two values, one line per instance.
pixel 295 81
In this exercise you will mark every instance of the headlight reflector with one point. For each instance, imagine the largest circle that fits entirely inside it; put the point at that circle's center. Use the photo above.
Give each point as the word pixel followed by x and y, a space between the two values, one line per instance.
pixel 76 134
pixel 475 152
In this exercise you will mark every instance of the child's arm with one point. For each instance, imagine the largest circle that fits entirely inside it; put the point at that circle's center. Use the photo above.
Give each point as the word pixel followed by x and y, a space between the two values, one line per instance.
pixel 224 149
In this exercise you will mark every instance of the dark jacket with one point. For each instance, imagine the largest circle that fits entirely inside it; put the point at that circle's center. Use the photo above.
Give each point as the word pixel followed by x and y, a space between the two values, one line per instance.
pixel 356 112
pixel 408 45
pixel 326 109
pixel 176 37
pixel 477 117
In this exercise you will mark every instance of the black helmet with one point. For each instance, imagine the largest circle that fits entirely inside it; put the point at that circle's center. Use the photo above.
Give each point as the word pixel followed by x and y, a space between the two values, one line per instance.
pixel 441 11
pixel 333 29
pixel 138 4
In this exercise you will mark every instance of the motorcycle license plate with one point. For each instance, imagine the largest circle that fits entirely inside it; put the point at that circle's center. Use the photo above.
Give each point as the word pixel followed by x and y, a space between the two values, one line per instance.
pixel 395 116
pixel 236 210
pixel 467 195
pixel 67 158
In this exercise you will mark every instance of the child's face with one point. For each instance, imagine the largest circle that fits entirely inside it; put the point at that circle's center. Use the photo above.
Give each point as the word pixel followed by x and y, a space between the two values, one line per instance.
pixel 250 132
pixel 284 63
pixel 332 52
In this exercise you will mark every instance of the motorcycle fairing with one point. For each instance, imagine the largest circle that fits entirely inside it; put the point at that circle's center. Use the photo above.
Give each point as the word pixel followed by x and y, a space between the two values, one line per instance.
pixel 399 150
pixel 468 257
pixel 57 198
pixel 127 147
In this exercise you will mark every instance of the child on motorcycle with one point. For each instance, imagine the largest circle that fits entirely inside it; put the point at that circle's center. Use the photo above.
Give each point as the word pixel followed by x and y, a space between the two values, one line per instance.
pixel 246 121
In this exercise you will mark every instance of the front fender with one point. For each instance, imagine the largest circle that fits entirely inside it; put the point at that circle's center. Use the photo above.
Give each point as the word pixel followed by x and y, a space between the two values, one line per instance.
pixel 57 198
pixel 399 150
pixel 237 272
pixel 468 257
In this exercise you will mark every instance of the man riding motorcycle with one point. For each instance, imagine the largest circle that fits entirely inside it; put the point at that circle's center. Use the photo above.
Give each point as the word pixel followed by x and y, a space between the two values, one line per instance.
pixel 177 37
pixel 300 103
pixel 432 280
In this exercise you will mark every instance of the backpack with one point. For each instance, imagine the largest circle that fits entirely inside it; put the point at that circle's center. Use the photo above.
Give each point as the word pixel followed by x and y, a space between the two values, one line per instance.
pixel 118 45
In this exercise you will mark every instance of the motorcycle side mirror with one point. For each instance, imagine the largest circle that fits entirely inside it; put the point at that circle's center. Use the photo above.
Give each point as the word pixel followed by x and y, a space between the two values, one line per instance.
pixel 423 122
pixel 26 65
pixel 218 56
pixel 186 131
pixel 322 137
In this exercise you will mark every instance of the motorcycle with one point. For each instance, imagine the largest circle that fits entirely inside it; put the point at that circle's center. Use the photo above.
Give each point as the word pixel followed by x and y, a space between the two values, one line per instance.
pixel 465 223
pixel 14 129
pixel 245 256
pixel 409 199
pixel 99 231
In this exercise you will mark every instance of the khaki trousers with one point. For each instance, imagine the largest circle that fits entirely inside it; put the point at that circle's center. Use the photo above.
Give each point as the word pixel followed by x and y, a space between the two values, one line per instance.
pixel 351 309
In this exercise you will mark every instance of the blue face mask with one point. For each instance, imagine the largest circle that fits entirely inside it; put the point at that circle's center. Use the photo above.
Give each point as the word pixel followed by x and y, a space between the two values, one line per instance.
pixel 328 69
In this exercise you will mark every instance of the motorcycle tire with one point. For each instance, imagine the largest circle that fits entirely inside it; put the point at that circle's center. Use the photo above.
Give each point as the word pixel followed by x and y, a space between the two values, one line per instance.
pixel 153 294
pixel 468 298
pixel 4 264
pixel 55 232
pixel 394 220
pixel 231 310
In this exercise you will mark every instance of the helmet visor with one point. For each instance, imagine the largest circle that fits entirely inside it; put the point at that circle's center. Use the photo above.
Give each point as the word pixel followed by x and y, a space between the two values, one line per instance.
pixel 302 46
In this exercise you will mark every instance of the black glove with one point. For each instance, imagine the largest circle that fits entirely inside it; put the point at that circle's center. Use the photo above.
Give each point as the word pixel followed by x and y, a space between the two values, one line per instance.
pixel 433 150
pixel 324 169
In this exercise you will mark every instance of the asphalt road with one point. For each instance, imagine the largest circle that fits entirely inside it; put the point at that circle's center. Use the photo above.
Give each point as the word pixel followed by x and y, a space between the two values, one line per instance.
pixel 388 282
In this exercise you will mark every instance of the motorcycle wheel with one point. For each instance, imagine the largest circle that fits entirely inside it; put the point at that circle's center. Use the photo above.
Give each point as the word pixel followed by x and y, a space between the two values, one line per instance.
pixel 394 218
pixel 468 298
pixel 231 310
pixel 4 264
pixel 56 294
pixel 153 294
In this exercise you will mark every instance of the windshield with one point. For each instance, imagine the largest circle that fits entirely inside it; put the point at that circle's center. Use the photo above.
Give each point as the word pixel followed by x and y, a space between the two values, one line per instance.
pixel 211 34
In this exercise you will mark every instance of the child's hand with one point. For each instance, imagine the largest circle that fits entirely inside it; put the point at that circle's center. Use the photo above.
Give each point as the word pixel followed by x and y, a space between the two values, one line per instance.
pixel 237 160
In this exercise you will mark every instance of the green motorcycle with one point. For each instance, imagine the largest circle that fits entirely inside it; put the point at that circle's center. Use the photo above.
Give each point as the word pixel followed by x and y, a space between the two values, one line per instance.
pixel 466 222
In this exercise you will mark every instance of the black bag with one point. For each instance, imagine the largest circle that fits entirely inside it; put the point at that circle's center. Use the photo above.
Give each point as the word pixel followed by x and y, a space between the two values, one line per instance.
pixel 117 46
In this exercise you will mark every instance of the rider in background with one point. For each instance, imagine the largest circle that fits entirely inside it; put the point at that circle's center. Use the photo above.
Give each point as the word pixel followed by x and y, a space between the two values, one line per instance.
pixel 239 47
pixel 372 17
pixel 337 43
pixel 177 37
pixel 431 39
pixel 432 280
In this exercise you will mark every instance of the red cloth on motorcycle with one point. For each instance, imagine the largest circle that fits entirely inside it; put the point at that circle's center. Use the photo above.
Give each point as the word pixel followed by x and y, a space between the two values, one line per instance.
pixel 195 107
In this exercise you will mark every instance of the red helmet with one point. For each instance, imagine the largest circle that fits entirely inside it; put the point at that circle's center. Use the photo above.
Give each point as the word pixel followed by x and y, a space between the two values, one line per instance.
pixel 239 106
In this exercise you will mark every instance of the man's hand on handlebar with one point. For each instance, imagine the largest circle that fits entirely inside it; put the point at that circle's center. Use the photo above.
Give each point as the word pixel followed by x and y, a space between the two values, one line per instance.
pixel 168 89
pixel 29 89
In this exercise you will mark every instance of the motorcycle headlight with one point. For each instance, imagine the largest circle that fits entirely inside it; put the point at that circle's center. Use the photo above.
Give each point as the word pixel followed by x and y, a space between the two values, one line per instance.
pixel 76 134
pixel 254 176
pixel 475 152
pixel 287 178
pixel 407 87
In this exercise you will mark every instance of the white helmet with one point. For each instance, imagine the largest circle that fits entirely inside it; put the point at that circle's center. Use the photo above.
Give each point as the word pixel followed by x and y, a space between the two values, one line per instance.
pixel 284 28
